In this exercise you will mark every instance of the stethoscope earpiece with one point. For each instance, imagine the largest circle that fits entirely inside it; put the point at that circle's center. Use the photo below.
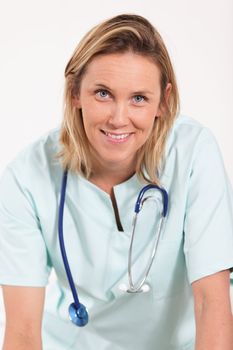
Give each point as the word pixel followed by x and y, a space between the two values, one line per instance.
pixel 144 288
pixel 123 287
pixel 79 316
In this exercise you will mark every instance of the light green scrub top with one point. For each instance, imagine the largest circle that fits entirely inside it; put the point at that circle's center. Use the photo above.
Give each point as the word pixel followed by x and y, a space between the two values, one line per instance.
pixel 196 241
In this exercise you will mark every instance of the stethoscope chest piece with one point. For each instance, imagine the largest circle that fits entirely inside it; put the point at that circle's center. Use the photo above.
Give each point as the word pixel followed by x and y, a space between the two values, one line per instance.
pixel 79 316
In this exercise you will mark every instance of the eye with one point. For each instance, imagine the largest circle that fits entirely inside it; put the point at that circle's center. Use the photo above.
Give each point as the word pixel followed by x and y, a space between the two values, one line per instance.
pixel 139 98
pixel 103 94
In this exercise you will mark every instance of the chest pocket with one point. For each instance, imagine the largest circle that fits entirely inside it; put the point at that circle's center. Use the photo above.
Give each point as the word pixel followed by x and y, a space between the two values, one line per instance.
pixel 168 274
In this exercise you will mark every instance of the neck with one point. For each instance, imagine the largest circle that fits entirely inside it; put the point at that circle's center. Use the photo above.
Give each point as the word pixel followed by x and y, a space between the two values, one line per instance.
pixel 108 175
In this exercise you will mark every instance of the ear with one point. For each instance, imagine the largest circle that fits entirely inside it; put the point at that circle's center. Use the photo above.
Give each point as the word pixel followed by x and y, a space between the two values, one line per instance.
pixel 166 96
pixel 76 102
pixel 167 91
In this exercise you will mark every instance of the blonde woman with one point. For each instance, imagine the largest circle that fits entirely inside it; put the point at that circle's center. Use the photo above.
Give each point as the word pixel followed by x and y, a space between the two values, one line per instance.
pixel 67 202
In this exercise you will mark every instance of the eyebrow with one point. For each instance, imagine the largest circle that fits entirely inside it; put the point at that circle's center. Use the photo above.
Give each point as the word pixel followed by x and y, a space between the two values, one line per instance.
pixel 139 92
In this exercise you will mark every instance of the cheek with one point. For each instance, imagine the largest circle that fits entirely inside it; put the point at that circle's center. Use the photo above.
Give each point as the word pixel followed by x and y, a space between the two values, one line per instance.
pixel 145 124
pixel 148 131
pixel 90 119
pixel 94 114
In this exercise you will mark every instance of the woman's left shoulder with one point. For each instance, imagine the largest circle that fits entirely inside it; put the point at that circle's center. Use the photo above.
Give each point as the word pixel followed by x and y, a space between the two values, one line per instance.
pixel 187 134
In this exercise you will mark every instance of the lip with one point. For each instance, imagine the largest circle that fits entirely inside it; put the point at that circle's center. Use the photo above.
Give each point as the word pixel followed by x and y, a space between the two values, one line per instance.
pixel 116 138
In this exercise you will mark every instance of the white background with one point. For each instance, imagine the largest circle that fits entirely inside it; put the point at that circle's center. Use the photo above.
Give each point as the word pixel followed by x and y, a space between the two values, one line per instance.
pixel 37 39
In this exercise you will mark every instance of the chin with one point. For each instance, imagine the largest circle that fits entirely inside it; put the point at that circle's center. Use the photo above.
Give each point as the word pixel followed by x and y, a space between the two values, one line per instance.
pixel 117 161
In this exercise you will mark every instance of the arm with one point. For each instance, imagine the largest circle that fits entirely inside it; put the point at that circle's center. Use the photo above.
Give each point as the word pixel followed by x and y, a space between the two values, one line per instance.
pixel 214 320
pixel 24 310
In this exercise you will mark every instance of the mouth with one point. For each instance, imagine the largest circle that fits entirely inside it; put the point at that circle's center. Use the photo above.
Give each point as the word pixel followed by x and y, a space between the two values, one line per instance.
pixel 116 137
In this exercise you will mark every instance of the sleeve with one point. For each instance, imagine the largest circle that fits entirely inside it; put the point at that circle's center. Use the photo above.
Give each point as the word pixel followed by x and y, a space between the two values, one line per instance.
pixel 23 255
pixel 208 223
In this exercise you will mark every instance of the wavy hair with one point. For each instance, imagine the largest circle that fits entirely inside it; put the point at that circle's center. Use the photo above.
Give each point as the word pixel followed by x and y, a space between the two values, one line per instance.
pixel 119 34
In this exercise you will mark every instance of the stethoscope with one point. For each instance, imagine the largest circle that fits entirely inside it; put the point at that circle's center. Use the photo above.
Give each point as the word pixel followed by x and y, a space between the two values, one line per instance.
pixel 77 312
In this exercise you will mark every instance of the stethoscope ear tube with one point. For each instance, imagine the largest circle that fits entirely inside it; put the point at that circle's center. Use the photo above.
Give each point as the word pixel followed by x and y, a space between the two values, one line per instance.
pixel 138 205
pixel 140 286
pixel 77 311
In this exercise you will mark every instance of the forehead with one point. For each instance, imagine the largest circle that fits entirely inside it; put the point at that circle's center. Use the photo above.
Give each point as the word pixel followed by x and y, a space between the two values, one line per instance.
pixel 124 68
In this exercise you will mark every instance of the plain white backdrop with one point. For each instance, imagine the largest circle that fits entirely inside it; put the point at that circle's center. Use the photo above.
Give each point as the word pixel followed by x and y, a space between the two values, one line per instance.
pixel 37 39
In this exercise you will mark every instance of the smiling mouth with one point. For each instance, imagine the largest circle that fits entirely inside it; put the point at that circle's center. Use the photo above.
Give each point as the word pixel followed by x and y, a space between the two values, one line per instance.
pixel 116 136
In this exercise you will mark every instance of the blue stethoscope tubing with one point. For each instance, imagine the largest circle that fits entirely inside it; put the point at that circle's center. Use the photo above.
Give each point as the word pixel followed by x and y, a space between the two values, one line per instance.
pixel 78 312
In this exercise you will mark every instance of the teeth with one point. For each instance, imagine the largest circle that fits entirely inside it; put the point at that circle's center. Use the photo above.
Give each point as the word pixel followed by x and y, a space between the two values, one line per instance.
pixel 117 137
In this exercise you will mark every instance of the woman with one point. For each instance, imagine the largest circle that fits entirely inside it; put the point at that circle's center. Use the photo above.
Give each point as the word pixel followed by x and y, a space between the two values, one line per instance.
pixel 120 132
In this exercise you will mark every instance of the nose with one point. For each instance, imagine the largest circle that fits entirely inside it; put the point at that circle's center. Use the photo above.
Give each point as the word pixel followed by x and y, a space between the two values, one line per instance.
pixel 119 115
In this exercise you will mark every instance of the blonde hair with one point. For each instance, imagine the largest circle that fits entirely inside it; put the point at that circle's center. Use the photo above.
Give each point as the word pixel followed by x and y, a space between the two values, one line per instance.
pixel 122 33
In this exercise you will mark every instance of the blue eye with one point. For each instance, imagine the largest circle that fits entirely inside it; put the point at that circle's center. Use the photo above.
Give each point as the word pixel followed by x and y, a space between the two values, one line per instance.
pixel 139 98
pixel 102 93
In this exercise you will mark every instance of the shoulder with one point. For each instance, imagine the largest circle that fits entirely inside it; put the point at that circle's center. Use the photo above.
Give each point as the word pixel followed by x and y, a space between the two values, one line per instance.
pixel 190 145
pixel 187 128
pixel 40 152
pixel 38 159
pixel 187 136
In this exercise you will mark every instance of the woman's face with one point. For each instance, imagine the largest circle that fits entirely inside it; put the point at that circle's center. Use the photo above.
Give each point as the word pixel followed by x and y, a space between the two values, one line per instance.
pixel 120 97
